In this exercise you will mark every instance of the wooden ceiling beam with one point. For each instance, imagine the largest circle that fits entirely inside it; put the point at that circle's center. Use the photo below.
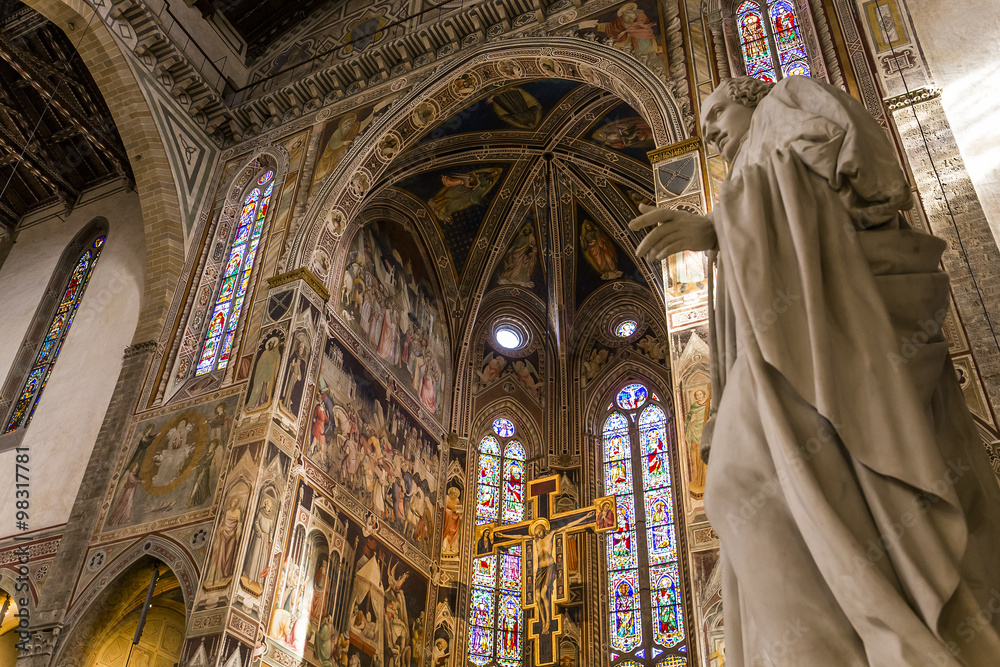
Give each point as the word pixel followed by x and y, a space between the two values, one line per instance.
pixel 37 75
pixel 45 173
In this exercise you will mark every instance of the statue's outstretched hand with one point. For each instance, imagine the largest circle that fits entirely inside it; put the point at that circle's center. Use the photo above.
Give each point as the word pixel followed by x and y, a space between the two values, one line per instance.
pixel 673 232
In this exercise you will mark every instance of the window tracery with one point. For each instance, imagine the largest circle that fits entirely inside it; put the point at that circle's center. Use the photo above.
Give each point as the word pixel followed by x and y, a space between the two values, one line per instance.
pixel 217 345
pixel 643 569
pixel 496 619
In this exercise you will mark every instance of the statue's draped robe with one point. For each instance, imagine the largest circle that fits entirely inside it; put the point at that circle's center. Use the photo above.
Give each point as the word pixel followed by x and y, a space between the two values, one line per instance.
pixel 856 509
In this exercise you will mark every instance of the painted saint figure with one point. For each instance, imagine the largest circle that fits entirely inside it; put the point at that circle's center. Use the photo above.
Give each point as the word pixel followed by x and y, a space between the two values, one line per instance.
pixel 632 30
pixel 295 374
pixel 222 562
pixel 452 522
pixel 599 251
pixel 520 260
pixel 633 132
pixel 259 550
pixel 694 425
pixel 265 373
pixel 204 476
pixel 122 513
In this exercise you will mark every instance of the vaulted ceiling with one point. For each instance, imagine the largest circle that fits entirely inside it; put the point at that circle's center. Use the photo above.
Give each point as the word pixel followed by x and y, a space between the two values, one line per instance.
pixel 554 164
pixel 57 137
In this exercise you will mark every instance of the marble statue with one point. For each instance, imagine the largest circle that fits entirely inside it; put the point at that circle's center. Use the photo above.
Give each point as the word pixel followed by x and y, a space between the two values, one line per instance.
pixel 857 513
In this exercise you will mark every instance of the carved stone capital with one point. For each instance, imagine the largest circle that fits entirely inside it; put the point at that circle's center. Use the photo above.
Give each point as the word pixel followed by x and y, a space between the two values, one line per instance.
pixel 304 274
pixel 673 150
pixel 42 644
pixel 140 348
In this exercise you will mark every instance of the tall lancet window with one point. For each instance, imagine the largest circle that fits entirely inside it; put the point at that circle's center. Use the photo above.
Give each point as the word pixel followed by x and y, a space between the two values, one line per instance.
pixel 58 328
pixel 495 616
pixel 235 278
pixel 771 40
pixel 646 618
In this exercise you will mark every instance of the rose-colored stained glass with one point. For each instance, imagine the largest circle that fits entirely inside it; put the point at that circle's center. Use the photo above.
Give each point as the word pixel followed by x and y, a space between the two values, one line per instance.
pixel 503 427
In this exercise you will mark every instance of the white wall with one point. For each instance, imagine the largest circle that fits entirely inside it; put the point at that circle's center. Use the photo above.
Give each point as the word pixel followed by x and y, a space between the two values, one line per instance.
pixel 62 433
pixel 960 40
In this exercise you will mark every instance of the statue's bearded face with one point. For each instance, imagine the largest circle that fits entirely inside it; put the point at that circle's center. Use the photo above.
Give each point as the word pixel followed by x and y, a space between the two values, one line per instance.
pixel 725 123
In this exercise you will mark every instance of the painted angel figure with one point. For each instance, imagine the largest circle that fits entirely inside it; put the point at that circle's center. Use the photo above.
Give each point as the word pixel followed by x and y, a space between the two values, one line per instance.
pixel 599 251
pixel 520 260
pixel 462 191
pixel 527 375
pixel 493 365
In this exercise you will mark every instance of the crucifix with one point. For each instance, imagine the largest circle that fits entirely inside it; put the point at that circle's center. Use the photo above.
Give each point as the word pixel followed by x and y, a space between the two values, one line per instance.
pixel 542 561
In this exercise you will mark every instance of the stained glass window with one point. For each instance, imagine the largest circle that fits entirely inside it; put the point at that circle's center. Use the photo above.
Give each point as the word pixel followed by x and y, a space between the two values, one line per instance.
pixel 495 616
pixel 646 617
pixel 788 39
pixel 503 427
pixel 771 40
pixel 753 41
pixel 55 336
pixel 625 328
pixel 31 393
pixel 235 280
pixel 632 397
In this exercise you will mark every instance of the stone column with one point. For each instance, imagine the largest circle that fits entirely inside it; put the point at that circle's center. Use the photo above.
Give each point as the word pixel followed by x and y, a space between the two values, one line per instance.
pixel 234 596
pixel 48 619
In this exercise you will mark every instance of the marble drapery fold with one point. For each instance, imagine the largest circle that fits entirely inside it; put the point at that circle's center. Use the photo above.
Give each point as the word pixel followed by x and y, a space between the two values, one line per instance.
pixel 856 509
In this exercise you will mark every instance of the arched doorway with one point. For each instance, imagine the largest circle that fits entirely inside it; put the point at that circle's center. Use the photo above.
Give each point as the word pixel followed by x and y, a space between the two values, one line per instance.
pixel 103 636
pixel 9 636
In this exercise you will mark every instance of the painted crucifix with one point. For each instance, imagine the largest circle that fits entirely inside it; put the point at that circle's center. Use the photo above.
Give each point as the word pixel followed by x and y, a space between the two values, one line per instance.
pixel 543 564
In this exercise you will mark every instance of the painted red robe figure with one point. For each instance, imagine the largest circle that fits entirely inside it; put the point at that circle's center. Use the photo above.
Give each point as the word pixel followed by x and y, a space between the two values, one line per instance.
pixel 599 251
pixel 320 420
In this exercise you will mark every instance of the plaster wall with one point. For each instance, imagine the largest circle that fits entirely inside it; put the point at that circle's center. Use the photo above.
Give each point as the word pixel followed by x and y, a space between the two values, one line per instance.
pixel 959 40
pixel 69 415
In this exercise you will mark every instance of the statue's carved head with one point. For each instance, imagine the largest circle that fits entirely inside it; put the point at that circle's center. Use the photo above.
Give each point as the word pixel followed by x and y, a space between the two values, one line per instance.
pixel 726 113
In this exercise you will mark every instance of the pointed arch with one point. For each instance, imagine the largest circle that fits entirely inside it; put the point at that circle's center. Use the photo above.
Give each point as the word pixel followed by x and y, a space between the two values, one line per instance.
pixel 648 592
pixel 52 322
pixel 114 587
pixel 593 63
pixel 224 276
pixel 154 175
pixel 496 621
